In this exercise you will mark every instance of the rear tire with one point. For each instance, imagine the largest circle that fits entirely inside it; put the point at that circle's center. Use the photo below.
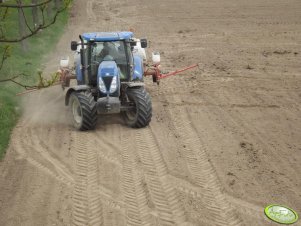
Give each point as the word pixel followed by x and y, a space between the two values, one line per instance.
pixel 83 110
pixel 141 115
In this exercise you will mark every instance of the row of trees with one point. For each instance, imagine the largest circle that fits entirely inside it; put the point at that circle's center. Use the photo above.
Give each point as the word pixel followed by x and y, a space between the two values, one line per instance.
pixel 33 17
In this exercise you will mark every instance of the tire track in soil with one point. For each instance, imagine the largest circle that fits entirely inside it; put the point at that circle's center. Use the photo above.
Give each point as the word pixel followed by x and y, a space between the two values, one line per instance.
pixel 263 141
pixel 135 193
pixel 25 150
pixel 242 206
pixel 178 85
pixel 45 152
pixel 202 172
pixel 250 131
pixel 113 21
pixel 87 207
pixel 163 195
pixel 227 121
pixel 110 172
pixel 236 122
pixel 90 12
pixel 196 193
pixel 108 199
pixel 108 147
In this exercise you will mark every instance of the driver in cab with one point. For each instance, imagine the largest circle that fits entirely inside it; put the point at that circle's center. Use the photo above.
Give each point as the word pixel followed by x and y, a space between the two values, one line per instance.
pixel 109 52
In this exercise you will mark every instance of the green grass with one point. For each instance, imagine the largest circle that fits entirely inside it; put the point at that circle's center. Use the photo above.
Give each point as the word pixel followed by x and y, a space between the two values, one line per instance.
pixel 23 62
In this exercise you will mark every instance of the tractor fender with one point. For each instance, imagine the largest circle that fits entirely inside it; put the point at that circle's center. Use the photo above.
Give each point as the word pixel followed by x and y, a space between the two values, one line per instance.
pixel 133 84
pixel 75 89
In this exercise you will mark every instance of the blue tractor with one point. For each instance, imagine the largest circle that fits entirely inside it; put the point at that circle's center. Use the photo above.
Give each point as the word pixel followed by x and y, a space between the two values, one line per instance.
pixel 109 78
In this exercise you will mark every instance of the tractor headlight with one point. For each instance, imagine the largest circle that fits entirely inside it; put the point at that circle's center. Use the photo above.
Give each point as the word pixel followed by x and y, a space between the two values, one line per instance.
pixel 114 85
pixel 102 86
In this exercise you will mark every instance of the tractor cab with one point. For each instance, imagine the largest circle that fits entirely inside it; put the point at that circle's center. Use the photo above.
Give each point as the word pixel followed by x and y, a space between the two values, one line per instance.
pixel 99 47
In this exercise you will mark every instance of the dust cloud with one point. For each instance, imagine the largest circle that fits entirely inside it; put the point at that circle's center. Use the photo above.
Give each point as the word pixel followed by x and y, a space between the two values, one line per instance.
pixel 45 106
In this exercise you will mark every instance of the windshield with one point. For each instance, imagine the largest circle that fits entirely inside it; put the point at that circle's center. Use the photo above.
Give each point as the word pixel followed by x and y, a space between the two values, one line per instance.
pixel 111 51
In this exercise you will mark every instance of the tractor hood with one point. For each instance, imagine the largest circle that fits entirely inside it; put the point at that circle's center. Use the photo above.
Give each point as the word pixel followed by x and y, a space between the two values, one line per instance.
pixel 107 36
pixel 108 77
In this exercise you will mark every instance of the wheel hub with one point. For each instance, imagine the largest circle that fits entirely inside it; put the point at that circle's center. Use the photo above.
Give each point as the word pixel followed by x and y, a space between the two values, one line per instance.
pixel 77 111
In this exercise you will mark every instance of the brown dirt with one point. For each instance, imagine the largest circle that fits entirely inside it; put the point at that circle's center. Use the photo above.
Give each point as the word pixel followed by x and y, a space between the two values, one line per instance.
pixel 224 141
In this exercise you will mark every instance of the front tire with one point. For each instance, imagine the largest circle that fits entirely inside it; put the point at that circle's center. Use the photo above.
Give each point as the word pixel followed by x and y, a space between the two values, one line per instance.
pixel 140 116
pixel 83 110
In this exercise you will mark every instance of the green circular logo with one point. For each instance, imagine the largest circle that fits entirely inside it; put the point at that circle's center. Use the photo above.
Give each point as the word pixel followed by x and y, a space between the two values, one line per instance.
pixel 281 214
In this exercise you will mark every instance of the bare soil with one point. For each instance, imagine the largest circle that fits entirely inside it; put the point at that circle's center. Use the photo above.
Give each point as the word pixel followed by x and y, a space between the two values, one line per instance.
pixel 224 141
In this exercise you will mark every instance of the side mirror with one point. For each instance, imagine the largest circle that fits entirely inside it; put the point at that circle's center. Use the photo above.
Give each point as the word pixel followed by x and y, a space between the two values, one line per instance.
pixel 73 45
pixel 143 42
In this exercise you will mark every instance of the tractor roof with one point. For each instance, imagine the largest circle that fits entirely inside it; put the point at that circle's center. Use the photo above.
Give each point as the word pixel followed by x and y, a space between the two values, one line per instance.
pixel 107 36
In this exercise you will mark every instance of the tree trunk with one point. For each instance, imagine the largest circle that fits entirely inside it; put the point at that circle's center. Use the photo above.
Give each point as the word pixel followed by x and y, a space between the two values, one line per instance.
pixel 49 9
pixel 22 30
pixel 35 18
pixel 57 4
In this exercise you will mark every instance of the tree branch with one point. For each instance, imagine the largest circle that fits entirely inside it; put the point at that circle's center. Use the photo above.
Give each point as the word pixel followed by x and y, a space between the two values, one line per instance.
pixel 5 55
pixel 25 20
pixel 40 27
pixel 23 6
pixel 4 14
pixel 43 83
pixel 43 16
pixel 9 79
pixel 12 79
pixel 24 86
